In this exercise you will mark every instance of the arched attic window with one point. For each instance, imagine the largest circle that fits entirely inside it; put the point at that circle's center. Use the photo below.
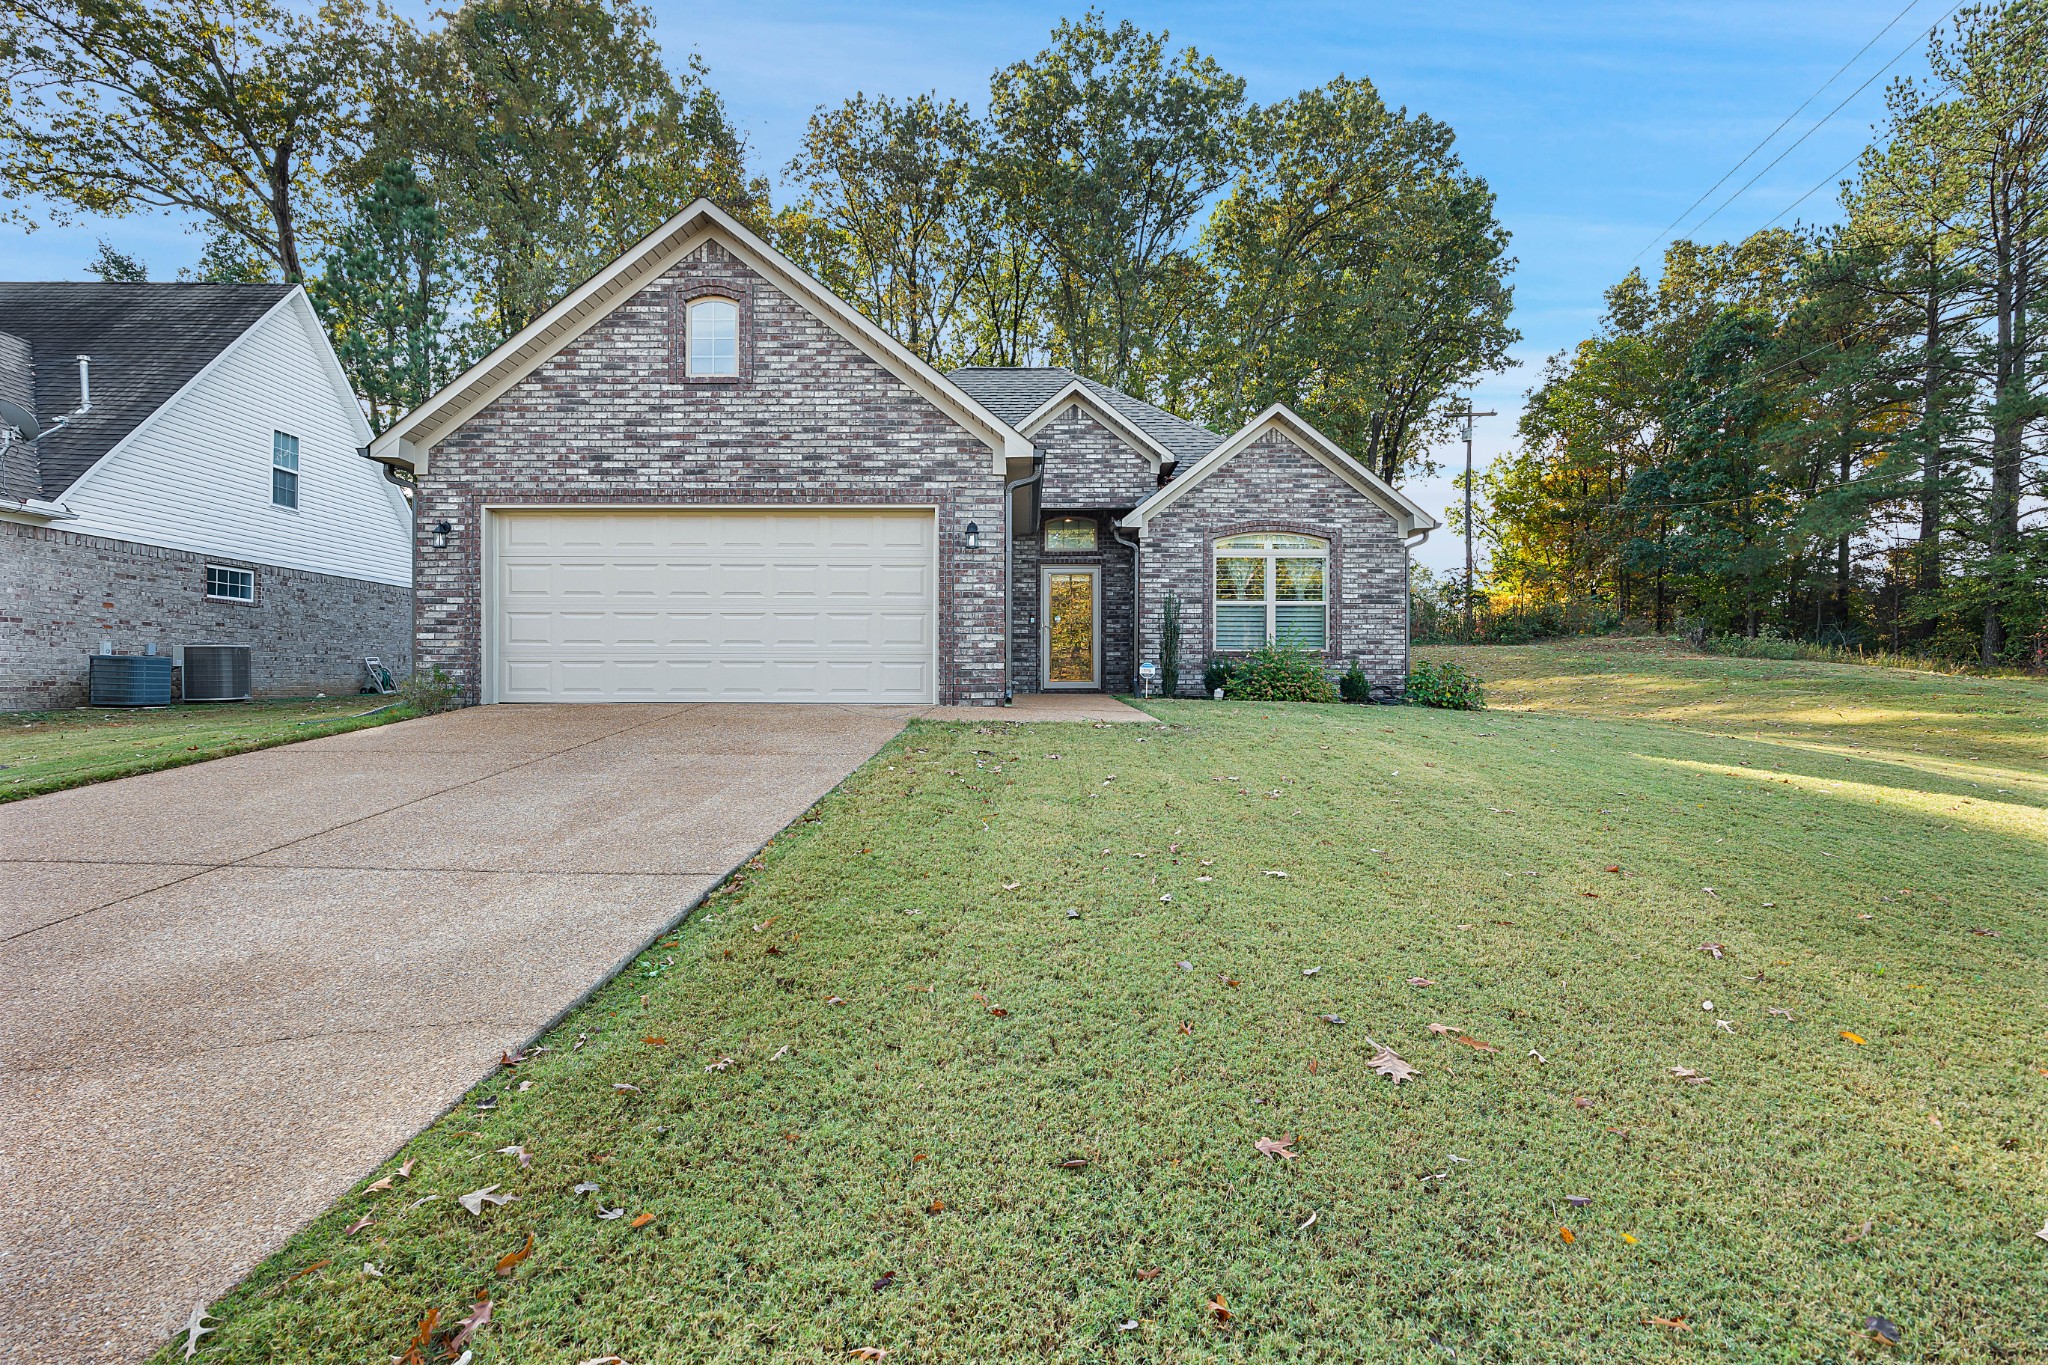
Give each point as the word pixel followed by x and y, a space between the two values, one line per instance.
pixel 714 348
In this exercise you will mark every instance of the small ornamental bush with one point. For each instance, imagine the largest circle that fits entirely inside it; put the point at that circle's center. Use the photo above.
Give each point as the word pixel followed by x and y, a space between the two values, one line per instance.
pixel 1354 686
pixel 428 693
pixel 1445 685
pixel 1217 673
pixel 1278 673
pixel 1169 646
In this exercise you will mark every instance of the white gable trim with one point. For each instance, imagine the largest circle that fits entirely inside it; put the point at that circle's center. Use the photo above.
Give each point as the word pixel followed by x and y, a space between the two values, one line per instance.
pixel 300 307
pixel 411 438
pixel 1076 392
pixel 1290 424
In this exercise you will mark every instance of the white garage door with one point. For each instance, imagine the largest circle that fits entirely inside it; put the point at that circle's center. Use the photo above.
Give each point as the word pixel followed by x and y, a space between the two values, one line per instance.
pixel 710 605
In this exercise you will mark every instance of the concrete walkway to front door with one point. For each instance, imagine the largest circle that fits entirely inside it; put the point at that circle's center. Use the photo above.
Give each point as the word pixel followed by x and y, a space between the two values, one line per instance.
pixel 228 990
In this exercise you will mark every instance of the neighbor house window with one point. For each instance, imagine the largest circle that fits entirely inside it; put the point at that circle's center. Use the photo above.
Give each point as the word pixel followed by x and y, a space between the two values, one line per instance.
pixel 1070 533
pixel 284 469
pixel 714 337
pixel 230 585
pixel 1270 588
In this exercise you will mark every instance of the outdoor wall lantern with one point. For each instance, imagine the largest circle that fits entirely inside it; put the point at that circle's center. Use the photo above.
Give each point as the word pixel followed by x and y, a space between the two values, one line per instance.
pixel 973 536
pixel 441 530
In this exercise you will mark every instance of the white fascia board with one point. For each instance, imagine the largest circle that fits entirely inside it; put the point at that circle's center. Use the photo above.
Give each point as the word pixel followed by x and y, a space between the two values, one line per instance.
pixel 596 297
pixel 36 512
pixel 1077 392
pixel 136 432
pixel 1408 514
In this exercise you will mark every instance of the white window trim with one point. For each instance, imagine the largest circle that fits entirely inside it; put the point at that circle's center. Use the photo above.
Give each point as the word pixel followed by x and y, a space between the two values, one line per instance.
pixel 298 480
pixel 690 312
pixel 212 596
pixel 1272 603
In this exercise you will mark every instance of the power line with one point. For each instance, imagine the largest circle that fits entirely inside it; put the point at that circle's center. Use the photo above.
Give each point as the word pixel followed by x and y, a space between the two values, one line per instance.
pixel 1933 29
pixel 1774 132
pixel 1835 175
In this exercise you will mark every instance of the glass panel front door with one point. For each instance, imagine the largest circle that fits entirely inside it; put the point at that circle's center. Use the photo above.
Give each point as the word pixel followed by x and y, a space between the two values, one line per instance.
pixel 1070 628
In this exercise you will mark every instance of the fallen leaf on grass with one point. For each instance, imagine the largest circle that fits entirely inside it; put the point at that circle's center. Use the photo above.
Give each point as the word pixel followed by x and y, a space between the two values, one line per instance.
pixel 998 1011
pixel 1310 971
pixel 642 1221
pixel 1331 1018
pixel 1884 1329
pixel 372 1271
pixel 1277 1146
pixel 509 1262
pixel 888 1278
pixel 1073 1163
pixel 479 1315
pixel 415 1351
pixel 655 1040
pixel 1711 949
pixel 353 1228
pixel 1675 1324
pixel 765 923
pixel 1187 1026
pixel 1985 933
pixel 1307 1223
pixel 1581 1102
pixel 835 1000
pixel 195 1327
pixel 605 1215
pixel 525 1157
pixel 1628 1237
pixel 1219 1308
pixel 621 1085
pixel 1566 1234
pixel 869 1353
pixel 511 1058
pixel 1781 1014
pixel 475 1200
pixel 585 1187
pixel 1852 1037
pixel 1443 1028
pixel 721 1064
pixel 1128 1325
pixel 377 1185
pixel 1688 1075
pixel 936 1206
pixel 1578 1201
pixel 1420 981
pixel 1469 1041
pixel 324 1260
pixel 1151 1274
pixel 604 1360
pixel 1390 1066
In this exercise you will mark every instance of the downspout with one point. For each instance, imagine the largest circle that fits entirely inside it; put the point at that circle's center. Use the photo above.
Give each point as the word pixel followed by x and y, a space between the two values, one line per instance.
pixel 1010 566
pixel 1116 533
pixel 1408 598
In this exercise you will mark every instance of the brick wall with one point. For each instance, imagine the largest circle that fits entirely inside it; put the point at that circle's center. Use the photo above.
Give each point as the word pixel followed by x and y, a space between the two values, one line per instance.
pixel 1276 486
pixel 813 419
pixel 1088 465
pixel 1118 585
pixel 62 593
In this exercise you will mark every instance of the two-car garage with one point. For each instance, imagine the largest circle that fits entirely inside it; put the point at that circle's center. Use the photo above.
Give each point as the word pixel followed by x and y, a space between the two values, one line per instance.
pixel 711 604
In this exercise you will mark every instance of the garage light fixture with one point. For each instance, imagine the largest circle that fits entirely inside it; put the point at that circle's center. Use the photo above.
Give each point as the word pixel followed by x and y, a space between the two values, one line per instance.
pixel 441 530
pixel 973 536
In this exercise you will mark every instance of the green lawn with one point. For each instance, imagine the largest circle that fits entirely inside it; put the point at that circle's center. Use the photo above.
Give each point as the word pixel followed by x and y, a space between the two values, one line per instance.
pixel 924 1045
pixel 46 751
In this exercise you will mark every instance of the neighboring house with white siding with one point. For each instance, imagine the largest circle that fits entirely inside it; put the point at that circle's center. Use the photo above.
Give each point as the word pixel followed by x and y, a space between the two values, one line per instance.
pixel 197 481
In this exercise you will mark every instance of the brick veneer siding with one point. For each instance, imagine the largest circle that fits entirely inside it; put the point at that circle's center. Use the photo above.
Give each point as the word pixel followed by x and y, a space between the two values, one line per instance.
pixel 1118 588
pixel 814 420
pixel 1276 486
pixel 1088 465
pixel 62 593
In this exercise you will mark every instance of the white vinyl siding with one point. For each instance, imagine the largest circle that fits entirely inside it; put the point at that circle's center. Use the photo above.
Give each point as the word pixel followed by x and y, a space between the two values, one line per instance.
pixel 194 476
pixel 713 605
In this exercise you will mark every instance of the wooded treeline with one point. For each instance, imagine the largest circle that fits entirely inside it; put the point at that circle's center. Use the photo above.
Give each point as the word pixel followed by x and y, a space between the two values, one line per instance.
pixel 1832 434
pixel 1117 205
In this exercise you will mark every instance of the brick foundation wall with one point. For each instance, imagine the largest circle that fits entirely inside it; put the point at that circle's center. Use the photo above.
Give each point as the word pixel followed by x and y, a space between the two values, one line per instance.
pixel 62 593
pixel 1118 589
pixel 812 419
pixel 1277 486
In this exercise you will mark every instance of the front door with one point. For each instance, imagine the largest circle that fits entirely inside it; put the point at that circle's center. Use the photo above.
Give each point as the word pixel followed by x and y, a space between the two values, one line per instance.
pixel 1072 634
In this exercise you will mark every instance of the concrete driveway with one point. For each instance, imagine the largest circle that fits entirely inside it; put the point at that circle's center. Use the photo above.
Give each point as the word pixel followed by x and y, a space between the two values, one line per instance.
pixel 228 990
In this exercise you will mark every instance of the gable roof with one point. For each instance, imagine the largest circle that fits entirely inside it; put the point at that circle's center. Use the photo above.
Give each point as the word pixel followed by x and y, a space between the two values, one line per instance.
pixel 1016 393
pixel 408 440
pixel 147 341
pixel 1407 513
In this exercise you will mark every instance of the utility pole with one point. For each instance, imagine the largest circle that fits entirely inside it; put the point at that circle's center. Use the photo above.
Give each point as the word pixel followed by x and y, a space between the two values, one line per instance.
pixel 1469 415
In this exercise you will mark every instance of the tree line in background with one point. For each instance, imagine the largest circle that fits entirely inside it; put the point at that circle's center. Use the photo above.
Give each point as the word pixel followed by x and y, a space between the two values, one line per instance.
pixel 1118 206
pixel 1829 434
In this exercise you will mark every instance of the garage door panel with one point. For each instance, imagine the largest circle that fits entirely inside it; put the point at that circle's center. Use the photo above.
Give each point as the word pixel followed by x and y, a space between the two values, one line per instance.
pixel 715 605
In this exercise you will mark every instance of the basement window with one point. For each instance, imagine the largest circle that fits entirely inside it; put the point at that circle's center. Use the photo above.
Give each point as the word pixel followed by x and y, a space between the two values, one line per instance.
pixel 226 584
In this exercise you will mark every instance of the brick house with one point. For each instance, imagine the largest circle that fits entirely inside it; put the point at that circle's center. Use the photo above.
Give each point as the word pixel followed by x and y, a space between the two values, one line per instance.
pixel 703 476
pixel 180 464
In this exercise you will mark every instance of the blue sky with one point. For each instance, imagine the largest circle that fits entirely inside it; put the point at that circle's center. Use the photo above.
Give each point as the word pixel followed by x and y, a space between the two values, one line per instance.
pixel 1595 123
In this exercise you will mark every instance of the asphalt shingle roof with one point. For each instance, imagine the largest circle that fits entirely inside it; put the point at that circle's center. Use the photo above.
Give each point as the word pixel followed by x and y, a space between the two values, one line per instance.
pixel 146 341
pixel 1014 393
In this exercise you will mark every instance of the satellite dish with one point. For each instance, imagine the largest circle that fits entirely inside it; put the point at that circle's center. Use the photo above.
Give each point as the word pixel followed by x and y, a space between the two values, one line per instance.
pixel 14 415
